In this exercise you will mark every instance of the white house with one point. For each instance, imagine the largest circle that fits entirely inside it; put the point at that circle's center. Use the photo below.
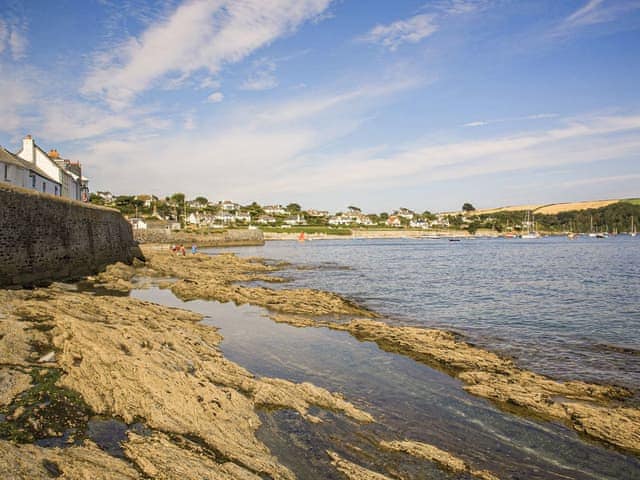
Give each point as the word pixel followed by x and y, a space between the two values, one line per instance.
pixel 138 223
pixel 65 173
pixel 228 206
pixel 243 217
pixel 294 220
pixel 17 171
pixel 405 213
pixel 266 220
pixel 274 210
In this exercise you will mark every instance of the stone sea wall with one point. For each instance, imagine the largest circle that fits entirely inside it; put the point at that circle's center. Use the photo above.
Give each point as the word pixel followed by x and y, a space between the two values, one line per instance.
pixel 229 238
pixel 45 238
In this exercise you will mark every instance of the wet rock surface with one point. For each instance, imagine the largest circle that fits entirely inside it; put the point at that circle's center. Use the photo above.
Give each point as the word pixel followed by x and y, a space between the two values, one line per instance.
pixel 182 410
pixel 139 362
pixel 595 410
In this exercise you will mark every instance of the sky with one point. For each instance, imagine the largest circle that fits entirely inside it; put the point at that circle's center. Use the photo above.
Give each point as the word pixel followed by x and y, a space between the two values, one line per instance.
pixel 329 103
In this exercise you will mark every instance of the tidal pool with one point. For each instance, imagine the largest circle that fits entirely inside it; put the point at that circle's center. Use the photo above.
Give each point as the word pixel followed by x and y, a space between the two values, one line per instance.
pixel 408 400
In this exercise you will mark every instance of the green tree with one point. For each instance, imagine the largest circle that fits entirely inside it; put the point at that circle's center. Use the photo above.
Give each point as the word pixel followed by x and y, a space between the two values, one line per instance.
pixel 354 208
pixel 177 198
pixel 293 208
pixel 204 201
pixel 384 216
pixel 467 207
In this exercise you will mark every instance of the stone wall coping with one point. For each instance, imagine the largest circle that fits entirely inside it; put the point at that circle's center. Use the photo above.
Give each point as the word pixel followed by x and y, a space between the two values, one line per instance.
pixel 14 188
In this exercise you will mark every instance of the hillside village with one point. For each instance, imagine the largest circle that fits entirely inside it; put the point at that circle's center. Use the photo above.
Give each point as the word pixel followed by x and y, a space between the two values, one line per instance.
pixel 175 212
pixel 47 172
pixel 150 211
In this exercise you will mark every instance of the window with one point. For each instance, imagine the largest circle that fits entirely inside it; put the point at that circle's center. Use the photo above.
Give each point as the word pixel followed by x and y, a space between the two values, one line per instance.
pixel 44 187
pixel 33 181
pixel 56 188
pixel 6 171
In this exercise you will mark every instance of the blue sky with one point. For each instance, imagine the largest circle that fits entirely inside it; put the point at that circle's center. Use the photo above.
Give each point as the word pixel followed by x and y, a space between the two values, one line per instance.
pixel 381 104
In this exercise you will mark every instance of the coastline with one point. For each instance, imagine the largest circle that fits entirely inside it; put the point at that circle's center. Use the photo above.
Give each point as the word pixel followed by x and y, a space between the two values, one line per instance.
pixel 380 234
pixel 125 376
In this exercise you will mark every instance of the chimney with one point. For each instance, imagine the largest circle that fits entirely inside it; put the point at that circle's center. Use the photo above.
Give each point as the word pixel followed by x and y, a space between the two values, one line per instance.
pixel 28 152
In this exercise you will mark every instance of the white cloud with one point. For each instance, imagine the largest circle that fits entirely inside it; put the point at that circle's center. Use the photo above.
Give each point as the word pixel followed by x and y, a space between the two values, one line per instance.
pixel 595 12
pixel 4 34
pixel 537 116
pixel 13 39
pixel 199 35
pixel 263 77
pixel 411 30
pixel 458 7
pixel 601 180
pixel 215 97
pixel 576 142
pixel 17 44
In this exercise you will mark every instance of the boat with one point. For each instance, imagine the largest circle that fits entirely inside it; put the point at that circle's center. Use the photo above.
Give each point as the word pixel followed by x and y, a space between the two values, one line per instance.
pixel 530 223
pixel 633 228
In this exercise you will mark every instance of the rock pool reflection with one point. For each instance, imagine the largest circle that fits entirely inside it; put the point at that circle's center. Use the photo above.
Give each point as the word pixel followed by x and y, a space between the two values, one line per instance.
pixel 408 399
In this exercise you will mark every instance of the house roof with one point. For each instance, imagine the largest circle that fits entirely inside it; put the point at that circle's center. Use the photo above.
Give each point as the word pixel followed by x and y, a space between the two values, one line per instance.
pixel 8 157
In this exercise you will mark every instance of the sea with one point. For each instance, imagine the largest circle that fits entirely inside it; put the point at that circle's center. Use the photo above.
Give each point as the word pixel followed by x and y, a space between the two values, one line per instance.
pixel 566 308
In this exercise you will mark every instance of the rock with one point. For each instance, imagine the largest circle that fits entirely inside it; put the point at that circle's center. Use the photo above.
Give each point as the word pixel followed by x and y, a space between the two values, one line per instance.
pixel 353 471
pixel 434 454
pixel 49 357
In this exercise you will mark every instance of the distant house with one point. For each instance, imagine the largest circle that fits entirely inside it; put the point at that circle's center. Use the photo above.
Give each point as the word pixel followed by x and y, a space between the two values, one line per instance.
pixel 228 206
pixel 405 213
pixel 243 217
pixel 194 219
pixel 107 197
pixel 418 224
pixel 274 210
pixel 17 171
pixel 147 200
pixel 352 217
pixel 225 217
pixel 294 220
pixel 266 220
pixel 317 213
pixel 138 223
pixel 393 221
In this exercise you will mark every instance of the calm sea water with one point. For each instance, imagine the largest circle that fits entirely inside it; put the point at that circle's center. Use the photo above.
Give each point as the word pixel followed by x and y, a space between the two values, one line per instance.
pixel 569 309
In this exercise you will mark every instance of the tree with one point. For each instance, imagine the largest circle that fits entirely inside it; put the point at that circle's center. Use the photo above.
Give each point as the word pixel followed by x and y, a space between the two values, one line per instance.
pixel 383 216
pixel 177 198
pixel 204 201
pixel 467 207
pixel 354 208
pixel 293 208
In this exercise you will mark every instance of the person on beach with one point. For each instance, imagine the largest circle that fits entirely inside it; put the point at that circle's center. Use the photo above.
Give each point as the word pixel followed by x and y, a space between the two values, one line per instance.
pixel 194 249
pixel 183 251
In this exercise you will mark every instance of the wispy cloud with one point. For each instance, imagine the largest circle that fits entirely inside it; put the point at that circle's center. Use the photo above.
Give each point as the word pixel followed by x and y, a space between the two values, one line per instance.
pixel 198 35
pixel 458 7
pixel 411 30
pixel 215 97
pixel 602 180
pixel 263 77
pixel 595 12
pixel 576 142
pixel 13 38
pixel 537 116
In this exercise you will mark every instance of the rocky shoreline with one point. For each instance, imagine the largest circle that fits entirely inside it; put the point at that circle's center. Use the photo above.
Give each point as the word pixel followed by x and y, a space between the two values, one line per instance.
pixel 70 356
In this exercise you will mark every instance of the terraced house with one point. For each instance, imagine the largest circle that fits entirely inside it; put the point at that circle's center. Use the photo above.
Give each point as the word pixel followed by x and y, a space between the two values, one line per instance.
pixel 35 169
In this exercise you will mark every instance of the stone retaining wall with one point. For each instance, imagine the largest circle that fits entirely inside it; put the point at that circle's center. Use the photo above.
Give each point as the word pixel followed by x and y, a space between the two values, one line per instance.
pixel 229 238
pixel 45 238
